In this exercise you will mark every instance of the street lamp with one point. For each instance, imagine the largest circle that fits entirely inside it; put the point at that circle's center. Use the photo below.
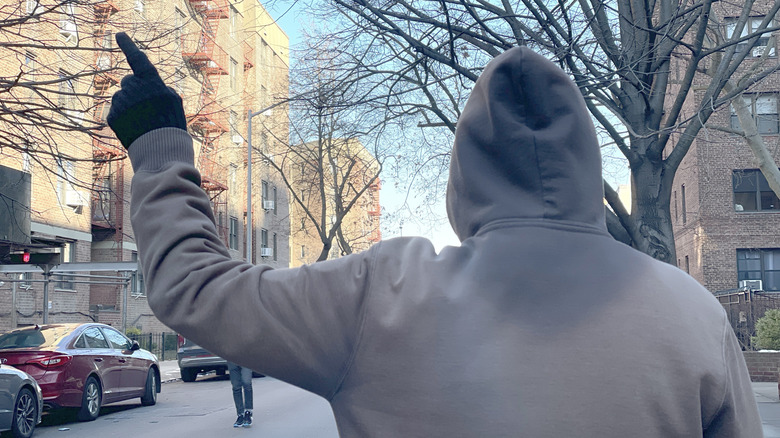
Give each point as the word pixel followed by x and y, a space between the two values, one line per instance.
pixel 249 230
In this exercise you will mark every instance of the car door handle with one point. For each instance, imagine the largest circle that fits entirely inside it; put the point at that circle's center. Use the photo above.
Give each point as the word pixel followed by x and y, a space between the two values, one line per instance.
pixel 97 359
pixel 121 360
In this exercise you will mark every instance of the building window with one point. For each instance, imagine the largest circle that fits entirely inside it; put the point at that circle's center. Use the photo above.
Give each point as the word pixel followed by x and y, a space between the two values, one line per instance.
pixel 752 192
pixel 140 7
pixel 687 265
pixel 759 264
pixel 30 65
pixel 67 255
pixel 64 175
pixel 264 191
pixel 264 243
pixel 303 251
pixel 31 6
pixel 68 27
pixel 275 258
pixel 101 210
pixel 274 199
pixel 137 286
pixel 233 74
pixel 264 145
pixel 180 77
pixel 763 108
pixel 684 213
pixel 179 20
pixel 676 207
pixel 751 26
pixel 233 171
pixel 26 282
pixel 233 241
pixel 233 21
pixel 235 137
pixel 66 90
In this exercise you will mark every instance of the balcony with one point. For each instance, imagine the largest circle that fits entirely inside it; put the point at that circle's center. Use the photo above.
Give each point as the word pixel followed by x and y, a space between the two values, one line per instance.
pixel 211 172
pixel 202 52
pixel 105 9
pixel 211 8
pixel 210 121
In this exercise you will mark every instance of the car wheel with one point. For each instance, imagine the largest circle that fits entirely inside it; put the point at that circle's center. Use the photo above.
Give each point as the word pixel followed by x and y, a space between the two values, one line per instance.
pixel 90 400
pixel 25 414
pixel 189 374
pixel 150 395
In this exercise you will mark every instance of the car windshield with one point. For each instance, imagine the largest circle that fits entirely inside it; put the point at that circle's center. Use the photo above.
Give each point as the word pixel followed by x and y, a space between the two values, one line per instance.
pixel 33 337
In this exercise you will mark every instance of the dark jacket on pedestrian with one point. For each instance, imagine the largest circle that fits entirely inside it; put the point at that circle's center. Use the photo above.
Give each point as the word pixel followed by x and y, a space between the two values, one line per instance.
pixel 539 324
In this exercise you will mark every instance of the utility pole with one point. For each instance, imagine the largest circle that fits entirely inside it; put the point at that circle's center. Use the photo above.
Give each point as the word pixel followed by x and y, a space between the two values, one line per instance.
pixel 249 230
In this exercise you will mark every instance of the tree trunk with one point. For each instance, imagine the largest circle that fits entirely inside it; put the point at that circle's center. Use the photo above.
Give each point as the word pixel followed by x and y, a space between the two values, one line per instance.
pixel 651 208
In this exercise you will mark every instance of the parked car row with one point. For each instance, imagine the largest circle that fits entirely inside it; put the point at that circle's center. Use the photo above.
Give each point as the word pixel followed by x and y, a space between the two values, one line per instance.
pixel 81 365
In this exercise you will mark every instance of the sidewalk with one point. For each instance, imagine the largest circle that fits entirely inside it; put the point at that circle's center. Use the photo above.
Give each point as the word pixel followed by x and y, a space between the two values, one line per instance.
pixel 169 371
pixel 769 407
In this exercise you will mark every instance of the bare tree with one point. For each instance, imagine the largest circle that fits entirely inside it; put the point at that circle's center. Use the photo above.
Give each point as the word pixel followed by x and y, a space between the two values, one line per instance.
pixel 59 64
pixel 332 161
pixel 638 65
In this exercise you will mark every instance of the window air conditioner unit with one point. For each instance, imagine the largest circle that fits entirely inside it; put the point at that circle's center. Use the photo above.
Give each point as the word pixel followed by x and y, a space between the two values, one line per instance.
pixel 266 252
pixel 268 205
pixel 75 198
pixel 751 284
pixel 237 139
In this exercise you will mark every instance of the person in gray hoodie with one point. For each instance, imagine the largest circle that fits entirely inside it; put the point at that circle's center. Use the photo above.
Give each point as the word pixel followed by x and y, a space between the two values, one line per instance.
pixel 539 324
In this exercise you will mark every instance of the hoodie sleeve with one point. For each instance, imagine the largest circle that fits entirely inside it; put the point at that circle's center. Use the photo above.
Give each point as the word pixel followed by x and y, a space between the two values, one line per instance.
pixel 738 414
pixel 298 325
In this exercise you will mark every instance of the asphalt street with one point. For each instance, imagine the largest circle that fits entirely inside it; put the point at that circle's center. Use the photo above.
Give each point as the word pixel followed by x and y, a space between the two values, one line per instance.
pixel 282 411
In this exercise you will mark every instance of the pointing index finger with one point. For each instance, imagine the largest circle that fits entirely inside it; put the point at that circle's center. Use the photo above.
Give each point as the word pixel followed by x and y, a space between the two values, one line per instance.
pixel 138 61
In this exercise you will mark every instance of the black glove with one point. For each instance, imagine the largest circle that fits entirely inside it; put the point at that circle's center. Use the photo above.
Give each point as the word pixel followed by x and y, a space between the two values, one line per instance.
pixel 144 103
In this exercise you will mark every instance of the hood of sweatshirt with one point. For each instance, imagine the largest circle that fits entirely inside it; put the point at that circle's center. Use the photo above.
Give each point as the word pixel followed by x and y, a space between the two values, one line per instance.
pixel 525 148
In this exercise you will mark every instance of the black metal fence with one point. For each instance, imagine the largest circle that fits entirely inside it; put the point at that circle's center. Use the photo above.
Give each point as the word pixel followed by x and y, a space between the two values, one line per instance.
pixel 161 344
pixel 745 308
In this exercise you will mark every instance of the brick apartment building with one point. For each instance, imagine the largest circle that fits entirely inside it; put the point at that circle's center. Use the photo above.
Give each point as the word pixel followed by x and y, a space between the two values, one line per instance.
pixel 225 59
pixel 360 226
pixel 726 218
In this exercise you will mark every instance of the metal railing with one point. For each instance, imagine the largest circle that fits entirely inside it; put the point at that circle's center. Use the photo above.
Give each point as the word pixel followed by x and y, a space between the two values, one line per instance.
pixel 161 344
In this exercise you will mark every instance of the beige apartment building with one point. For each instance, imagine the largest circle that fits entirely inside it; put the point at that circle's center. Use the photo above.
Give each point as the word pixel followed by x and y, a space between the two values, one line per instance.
pixel 225 59
pixel 360 225
pixel 726 218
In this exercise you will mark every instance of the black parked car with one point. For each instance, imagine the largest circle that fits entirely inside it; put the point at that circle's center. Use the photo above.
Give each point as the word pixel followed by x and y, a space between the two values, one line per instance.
pixel 194 359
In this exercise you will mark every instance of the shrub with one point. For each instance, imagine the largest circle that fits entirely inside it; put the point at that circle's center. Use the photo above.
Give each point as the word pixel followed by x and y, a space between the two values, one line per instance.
pixel 768 331
pixel 132 331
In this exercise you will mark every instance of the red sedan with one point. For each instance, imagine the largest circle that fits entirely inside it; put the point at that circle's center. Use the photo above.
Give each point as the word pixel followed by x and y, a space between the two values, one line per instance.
pixel 82 365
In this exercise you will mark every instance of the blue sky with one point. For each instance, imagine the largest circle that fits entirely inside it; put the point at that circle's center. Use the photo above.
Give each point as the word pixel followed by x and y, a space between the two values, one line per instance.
pixel 391 199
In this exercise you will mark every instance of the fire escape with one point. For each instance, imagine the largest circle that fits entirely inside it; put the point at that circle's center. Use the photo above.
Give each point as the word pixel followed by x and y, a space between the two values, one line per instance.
pixel 105 147
pixel 209 122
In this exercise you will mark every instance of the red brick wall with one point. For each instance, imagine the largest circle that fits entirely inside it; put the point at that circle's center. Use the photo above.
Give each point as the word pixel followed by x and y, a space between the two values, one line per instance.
pixel 762 365
pixel 714 230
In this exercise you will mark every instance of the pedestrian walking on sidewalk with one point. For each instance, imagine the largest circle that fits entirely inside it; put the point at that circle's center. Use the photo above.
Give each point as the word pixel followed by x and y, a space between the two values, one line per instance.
pixel 539 324
pixel 241 382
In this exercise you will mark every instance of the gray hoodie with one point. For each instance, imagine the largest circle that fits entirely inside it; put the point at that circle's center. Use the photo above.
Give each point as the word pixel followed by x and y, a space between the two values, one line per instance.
pixel 539 324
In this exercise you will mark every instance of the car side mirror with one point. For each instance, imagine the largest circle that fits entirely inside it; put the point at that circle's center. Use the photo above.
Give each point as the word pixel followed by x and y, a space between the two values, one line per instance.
pixel 135 346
